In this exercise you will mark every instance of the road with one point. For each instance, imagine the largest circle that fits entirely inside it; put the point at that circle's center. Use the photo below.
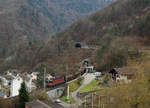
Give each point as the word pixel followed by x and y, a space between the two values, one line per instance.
pixel 88 77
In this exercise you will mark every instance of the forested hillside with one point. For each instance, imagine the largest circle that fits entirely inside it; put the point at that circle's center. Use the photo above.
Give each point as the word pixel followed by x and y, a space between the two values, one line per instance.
pixel 30 21
pixel 114 34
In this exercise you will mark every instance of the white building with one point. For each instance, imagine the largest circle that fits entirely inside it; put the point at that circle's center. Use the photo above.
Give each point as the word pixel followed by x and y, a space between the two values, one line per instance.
pixel 15 86
pixel 90 69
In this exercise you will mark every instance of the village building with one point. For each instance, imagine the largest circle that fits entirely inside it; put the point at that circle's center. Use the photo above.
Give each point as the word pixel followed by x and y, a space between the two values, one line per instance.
pixel 7 80
pixel 13 80
pixel 89 69
pixel 125 74
pixel 34 75
pixel 42 104
pixel 15 86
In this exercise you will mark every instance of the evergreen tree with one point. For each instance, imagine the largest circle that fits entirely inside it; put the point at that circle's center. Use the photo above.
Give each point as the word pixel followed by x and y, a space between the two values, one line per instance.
pixel 23 95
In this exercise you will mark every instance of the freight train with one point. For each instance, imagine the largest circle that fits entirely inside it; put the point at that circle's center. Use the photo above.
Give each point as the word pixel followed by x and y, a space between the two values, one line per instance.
pixel 63 79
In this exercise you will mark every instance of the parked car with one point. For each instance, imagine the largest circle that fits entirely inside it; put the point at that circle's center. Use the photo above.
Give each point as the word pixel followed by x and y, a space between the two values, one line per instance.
pixel 57 101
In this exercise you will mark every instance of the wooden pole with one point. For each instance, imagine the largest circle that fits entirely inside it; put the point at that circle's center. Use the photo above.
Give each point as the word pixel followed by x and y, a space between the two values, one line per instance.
pixel 66 70
pixel 99 101
pixel 44 78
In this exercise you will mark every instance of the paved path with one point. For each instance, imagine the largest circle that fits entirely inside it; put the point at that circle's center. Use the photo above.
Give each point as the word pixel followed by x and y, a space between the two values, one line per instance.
pixel 87 79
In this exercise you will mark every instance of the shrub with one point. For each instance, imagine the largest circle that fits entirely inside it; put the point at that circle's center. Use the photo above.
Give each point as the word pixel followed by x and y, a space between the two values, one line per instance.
pixel 79 80
pixel 41 95
pixel 106 79
pixel 94 71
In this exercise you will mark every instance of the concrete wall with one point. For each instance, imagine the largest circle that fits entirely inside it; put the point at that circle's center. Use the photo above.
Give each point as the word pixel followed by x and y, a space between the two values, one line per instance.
pixel 56 93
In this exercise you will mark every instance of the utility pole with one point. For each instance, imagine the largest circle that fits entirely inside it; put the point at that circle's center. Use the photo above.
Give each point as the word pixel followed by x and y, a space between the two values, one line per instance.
pixel 66 69
pixel 67 85
pixel 44 77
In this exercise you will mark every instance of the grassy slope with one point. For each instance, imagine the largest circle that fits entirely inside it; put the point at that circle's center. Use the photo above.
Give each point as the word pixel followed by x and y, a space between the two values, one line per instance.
pixel 94 85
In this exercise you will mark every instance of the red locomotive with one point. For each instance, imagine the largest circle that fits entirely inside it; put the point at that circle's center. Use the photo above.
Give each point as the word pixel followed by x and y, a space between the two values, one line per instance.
pixel 55 81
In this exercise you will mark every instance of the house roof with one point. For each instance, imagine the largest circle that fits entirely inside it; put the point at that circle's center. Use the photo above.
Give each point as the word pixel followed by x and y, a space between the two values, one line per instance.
pixel 42 104
pixel 9 77
pixel 125 71
pixel 36 73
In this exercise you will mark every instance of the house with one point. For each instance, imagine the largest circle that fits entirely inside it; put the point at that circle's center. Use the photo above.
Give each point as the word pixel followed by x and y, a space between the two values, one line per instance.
pixel 7 80
pixel 42 104
pixel 34 75
pixel 90 69
pixel 125 74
